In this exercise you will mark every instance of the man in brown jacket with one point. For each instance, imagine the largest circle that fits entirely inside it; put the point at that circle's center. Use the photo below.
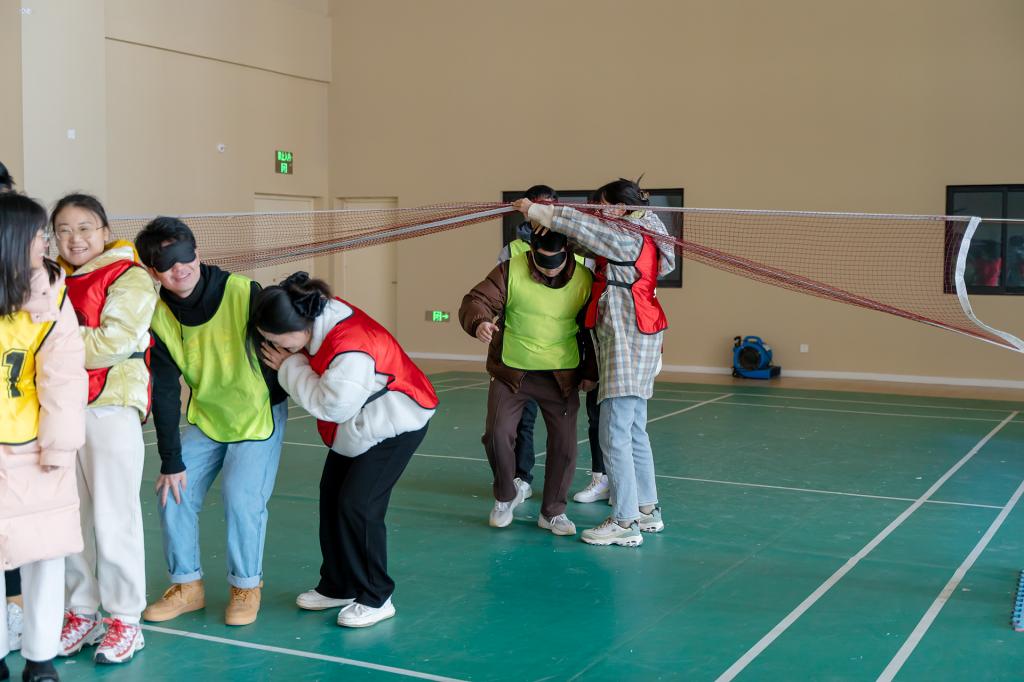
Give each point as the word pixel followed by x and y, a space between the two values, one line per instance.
pixel 529 311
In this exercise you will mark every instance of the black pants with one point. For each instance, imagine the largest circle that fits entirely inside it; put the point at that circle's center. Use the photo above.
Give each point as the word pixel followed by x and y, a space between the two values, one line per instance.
pixel 12 580
pixel 525 457
pixel 354 496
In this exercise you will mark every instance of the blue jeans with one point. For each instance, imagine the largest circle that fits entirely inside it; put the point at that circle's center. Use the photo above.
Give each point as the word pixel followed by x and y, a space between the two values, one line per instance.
pixel 250 468
pixel 628 458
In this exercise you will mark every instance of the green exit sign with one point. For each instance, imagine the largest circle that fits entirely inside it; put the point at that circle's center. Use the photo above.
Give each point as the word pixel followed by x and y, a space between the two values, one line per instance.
pixel 283 162
pixel 438 316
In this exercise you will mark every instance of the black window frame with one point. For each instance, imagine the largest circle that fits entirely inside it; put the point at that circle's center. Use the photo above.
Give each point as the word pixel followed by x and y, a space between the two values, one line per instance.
pixel 673 280
pixel 954 229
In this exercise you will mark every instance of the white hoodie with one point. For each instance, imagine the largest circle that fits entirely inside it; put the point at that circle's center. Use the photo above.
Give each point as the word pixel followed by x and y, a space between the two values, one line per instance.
pixel 340 393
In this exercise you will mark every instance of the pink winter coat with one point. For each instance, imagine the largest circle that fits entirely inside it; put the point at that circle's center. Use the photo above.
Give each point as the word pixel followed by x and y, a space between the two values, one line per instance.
pixel 38 508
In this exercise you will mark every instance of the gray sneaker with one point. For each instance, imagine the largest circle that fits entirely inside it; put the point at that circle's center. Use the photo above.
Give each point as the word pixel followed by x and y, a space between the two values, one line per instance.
pixel 559 525
pixel 651 523
pixel 611 533
pixel 525 487
pixel 501 515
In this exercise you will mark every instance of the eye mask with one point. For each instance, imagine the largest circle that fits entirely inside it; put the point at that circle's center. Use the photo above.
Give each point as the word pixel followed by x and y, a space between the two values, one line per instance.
pixel 178 252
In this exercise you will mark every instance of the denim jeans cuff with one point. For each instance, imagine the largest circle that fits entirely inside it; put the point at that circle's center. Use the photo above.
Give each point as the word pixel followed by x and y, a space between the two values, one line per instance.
pixel 185 578
pixel 244 583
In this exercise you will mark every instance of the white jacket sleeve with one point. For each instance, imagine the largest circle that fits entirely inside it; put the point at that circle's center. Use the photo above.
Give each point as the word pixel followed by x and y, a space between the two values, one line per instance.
pixel 338 394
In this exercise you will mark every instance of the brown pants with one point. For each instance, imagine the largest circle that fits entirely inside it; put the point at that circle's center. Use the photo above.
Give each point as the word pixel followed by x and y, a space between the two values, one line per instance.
pixel 504 407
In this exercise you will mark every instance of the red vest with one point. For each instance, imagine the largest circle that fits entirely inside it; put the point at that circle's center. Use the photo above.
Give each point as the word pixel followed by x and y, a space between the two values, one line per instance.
pixel 362 334
pixel 88 293
pixel 650 318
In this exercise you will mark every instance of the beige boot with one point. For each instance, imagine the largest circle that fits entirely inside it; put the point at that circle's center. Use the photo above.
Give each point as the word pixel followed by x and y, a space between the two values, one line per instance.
pixel 178 599
pixel 244 606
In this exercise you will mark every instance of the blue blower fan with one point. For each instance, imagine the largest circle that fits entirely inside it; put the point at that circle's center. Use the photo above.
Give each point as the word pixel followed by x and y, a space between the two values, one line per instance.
pixel 752 359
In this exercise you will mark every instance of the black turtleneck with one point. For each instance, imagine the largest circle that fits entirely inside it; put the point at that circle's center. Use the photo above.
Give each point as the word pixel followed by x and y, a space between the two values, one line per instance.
pixel 194 310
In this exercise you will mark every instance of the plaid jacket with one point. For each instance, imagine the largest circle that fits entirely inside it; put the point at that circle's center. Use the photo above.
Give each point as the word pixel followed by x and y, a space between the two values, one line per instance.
pixel 628 360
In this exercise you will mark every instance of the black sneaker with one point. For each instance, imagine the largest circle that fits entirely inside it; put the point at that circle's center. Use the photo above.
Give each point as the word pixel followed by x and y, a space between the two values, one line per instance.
pixel 40 672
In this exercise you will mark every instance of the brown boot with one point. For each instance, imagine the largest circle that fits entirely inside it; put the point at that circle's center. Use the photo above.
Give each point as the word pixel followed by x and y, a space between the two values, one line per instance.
pixel 178 599
pixel 243 606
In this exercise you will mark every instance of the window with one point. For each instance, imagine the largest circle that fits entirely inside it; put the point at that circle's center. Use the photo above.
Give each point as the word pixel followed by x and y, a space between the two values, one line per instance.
pixel 659 197
pixel 995 262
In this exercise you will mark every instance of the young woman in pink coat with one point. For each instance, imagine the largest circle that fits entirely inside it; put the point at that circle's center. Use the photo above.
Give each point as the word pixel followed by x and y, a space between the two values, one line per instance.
pixel 43 390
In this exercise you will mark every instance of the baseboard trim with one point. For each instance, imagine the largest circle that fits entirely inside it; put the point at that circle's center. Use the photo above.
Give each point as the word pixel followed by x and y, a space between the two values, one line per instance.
pixel 861 376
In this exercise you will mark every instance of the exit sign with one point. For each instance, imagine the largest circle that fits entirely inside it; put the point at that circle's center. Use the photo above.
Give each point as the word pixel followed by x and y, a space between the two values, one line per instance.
pixel 283 162
pixel 438 316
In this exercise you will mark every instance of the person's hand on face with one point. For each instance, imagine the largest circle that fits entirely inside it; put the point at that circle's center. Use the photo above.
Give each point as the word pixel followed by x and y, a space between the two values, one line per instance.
pixel 273 356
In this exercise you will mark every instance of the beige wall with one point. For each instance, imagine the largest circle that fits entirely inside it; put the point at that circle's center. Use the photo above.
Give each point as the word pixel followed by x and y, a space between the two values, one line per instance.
pixel 153 87
pixel 64 89
pixel 10 85
pixel 871 107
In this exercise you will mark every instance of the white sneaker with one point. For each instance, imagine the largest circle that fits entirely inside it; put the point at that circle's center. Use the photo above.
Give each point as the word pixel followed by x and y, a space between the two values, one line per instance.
pixel 525 487
pixel 357 615
pixel 120 643
pixel 651 523
pixel 311 600
pixel 15 625
pixel 598 489
pixel 501 515
pixel 611 533
pixel 78 631
pixel 559 525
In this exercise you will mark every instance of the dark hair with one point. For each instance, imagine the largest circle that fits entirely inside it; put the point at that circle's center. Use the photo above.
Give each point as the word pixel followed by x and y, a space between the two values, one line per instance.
pixel 623 191
pixel 86 201
pixel 551 241
pixel 290 306
pixel 20 219
pixel 541 192
pixel 159 230
pixel 6 181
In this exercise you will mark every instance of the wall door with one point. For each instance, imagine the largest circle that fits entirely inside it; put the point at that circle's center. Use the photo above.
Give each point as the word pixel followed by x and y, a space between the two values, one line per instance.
pixel 368 277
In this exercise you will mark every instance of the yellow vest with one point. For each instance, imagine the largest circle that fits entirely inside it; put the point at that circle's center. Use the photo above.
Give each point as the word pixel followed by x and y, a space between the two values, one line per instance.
pixel 230 400
pixel 540 322
pixel 20 340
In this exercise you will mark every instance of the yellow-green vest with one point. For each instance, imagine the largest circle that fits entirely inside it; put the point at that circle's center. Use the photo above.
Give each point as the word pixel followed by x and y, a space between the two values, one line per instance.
pixel 230 400
pixel 540 322
pixel 20 340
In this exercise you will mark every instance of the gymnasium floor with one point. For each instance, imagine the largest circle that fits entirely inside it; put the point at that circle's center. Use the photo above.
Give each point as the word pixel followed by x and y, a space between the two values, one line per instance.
pixel 770 495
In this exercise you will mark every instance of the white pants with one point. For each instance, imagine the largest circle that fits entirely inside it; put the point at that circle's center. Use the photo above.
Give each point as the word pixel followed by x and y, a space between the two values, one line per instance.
pixel 111 571
pixel 41 583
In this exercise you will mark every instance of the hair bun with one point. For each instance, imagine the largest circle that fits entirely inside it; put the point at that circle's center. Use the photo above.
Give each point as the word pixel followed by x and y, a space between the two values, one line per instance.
pixel 295 279
pixel 310 305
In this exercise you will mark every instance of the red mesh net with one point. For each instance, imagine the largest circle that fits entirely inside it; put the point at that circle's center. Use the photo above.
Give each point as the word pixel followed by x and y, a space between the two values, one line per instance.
pixel 901 265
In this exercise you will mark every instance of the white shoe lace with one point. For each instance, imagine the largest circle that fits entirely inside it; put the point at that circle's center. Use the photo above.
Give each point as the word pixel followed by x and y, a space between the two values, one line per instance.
pixel 502 506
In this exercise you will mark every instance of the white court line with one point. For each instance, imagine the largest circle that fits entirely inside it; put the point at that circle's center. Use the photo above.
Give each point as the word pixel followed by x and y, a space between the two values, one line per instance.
pixel 846 400
pixel 876 414
pixel 824 492
pixel 826 409
pixel 712 480
pixel 762 644
pixel 663 416
pixel 933 611
pixel 300 654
